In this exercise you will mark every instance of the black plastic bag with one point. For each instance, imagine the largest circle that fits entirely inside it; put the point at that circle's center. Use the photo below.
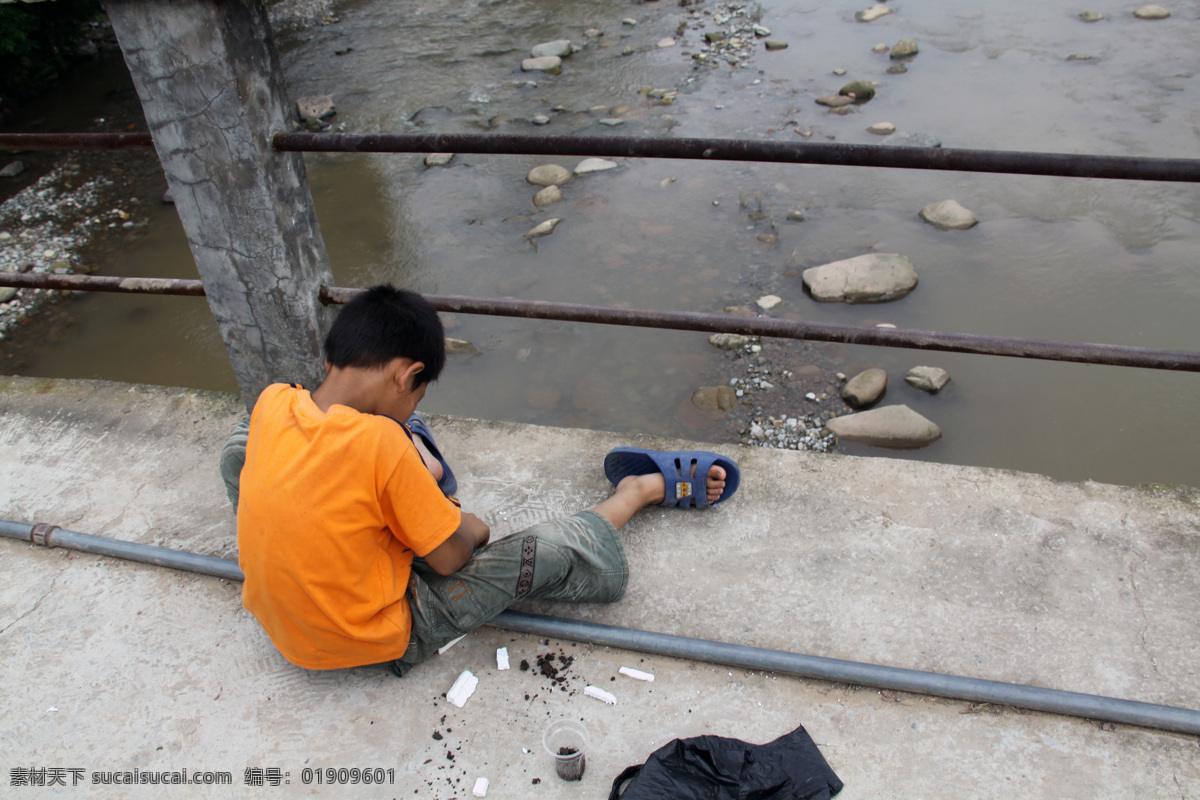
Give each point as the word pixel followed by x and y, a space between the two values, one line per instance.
pixel 717 768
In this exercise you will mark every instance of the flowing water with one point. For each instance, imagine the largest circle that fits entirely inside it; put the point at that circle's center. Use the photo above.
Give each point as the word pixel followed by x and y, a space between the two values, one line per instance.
pixel 1053 258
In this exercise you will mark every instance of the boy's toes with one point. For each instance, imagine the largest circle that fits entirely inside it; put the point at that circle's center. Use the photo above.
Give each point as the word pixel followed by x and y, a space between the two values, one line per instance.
pixel 715 485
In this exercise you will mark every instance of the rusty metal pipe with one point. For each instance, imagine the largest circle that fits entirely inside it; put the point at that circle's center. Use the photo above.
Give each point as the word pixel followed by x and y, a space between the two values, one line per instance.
pixel 1086 353
pixel 1069 165
pixel 102 283
pixel 1077 352
pixel 74 141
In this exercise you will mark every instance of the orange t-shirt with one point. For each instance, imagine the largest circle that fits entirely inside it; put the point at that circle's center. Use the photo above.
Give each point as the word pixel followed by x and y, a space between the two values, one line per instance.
pixel 333 506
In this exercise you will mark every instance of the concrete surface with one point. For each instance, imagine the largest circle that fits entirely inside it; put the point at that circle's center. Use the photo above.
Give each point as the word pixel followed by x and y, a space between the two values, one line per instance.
pixel 114 666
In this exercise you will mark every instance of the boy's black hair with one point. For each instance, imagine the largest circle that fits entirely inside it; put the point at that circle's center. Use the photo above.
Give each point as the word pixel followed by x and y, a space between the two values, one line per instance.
pixel 383 323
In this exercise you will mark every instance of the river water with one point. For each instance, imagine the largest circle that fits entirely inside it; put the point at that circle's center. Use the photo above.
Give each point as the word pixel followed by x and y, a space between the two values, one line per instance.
pixel 1052 258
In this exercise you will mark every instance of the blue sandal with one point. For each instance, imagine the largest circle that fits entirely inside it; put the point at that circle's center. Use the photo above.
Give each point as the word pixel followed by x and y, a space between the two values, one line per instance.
pixel 684 471
pixel 448 484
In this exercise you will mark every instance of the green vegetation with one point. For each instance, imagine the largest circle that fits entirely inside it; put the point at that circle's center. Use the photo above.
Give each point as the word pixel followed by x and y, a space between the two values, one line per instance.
pixel 38 41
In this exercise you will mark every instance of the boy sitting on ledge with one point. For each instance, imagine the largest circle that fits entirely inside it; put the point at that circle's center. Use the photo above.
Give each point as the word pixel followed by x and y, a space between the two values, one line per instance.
pixel 355 551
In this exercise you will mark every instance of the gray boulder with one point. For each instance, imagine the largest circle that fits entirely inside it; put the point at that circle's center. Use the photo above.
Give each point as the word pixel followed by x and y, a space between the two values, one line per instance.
pixel 861 91
pixel 551 64
pixel 928 379
pixel 891 426
pixel 438 159
pixel 728 341
pixel 871 278
pixel 905 48
pixel 316 107
pixel 559 47
pixel 548 175
pixel 949 215
pixel 547 196
pixel 865 388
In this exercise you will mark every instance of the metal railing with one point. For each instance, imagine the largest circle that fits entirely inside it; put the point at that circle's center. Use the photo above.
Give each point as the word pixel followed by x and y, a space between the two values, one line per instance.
pixel 928 158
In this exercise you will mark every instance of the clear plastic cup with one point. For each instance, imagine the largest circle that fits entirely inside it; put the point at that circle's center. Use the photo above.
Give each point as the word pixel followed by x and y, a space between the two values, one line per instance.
pixel 567 740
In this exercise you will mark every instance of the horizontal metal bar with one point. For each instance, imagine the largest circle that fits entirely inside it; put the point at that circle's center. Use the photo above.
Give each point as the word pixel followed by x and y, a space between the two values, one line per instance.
pixel 912 339
pixel 1112 709
pixel 102 283
pixel 74 141
pixel 1070 165
pixel 1086 353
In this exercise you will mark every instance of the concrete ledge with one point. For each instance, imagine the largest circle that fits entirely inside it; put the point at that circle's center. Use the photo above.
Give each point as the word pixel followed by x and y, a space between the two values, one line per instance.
pixel 991 574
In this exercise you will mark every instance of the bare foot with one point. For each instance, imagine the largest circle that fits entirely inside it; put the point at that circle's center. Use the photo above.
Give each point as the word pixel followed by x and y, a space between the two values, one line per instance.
pixel 652 486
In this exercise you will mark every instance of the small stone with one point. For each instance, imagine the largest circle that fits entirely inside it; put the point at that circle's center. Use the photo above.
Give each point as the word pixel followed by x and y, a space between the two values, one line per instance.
pixel 712 37
pixel 460 347
pixel 861 91
pixel 873 13
pixel 589 165
pixel 12 169
pixel 728 341
pixel 5 236
pixel 168 199
pixel 882 128
pixel 880 48
pixel 548 175
pixel 547 196
pixel 905 48
pixel 715 398
pixel 315 108
pixel 948 215
pixel 1090 16
pixel 49 254
pixel 7 293
pixel 593 33
pixel 928 379
pixel 612 122
pixel 544 229
pixel 795 216
pixel 834 100
pixel 897 69
pixel 629 21
pixel 620 110
pixel 549 64
pixel 560 48
pixel 1152 12
pixel 438 159
pixel 865 388
pixel 768 238
pixel 667 42
pixel 839 72
pixel 810 396
pixel 1080 57
pixel 540 119
pixel 761 31
pixel 775 44
pixel 767 302
pixel 627 51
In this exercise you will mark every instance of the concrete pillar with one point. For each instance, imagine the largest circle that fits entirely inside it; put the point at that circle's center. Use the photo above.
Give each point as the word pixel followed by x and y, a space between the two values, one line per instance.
pixel 211 86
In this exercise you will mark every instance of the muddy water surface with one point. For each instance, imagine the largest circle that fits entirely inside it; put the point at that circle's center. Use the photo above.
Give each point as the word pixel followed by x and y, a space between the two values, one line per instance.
pixel 1078 260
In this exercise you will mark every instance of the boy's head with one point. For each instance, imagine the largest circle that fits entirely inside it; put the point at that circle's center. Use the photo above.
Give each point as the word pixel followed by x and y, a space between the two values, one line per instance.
pixel 384 323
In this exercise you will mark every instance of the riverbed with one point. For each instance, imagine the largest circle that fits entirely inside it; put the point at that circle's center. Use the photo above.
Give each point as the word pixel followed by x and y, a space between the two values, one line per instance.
pixel 1053 258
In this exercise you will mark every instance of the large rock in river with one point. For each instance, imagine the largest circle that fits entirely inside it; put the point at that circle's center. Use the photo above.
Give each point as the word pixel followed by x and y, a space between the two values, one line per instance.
pixel 871 278
pixel 891 426
pixel 948 215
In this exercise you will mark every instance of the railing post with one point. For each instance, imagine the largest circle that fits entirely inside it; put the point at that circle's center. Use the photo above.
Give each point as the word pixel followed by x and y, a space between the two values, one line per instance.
pixel 208 75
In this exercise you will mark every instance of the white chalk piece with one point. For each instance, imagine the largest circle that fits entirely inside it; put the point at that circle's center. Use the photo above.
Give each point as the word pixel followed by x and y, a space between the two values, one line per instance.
pixel 463 688
pixel 502 658
pixel 636 674
pixel 450 644
pixel 480 789
pixel 600 694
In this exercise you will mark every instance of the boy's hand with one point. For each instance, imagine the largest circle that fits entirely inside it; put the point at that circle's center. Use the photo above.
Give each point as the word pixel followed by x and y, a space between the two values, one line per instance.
pixel 449 557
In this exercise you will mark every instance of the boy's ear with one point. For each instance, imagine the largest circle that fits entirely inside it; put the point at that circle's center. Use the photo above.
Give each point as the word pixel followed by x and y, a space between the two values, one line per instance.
pixel 406 376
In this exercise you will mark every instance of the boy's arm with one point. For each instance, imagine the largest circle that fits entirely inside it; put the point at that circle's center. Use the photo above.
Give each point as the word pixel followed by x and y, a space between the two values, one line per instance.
pixel 450 556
